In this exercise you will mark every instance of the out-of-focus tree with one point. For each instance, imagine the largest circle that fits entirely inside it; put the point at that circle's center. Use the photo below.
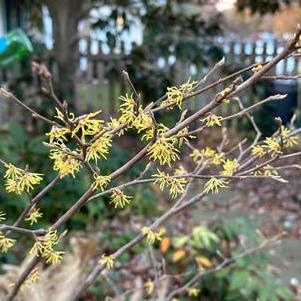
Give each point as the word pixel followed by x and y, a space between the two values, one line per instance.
pixel 177 33
pixel 66 15
pixel 175 27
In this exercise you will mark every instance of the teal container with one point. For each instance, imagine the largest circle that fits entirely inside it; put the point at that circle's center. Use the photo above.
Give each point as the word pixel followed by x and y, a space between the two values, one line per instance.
pixel 14 46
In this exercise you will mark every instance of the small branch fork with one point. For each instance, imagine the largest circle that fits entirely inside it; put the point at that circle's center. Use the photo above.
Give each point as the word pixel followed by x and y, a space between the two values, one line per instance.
pixel 236 88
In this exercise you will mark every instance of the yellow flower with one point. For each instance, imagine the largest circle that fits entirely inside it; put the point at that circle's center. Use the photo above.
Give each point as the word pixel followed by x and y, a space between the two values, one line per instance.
pixel 33 277
pixel 99 148
pixel 53 257
pixel 34 216
pixel 188 86
pixel 258 150
pixel 29 179
pixel 12 186
pixel 196 155
pixel 273 146
pixel 88 125
pixel 218 158
pixel 208 152
pixel 100 182
pixel 174 97
pixel 289 141
pixel 180 171
pixel 108 261
pixel 64 163
pixel 115 124
pixel 212 120
pixel 229 167
pixel 149 286
pixel 164 151
pixel 149 133
pixel 176 185
pixel 2 216
pixel 142 122
pixel 152 236
pixel 127 109
pixel 193 292
pixel 44 245
pixel 59 115
pixel 119 198
pixel 213 185
pixel 5 243
pixel 57 135
pixel 257 68
pixel 223 95
pixel 12 172
pixel 182 136
pixel 19 180
pixel 267 170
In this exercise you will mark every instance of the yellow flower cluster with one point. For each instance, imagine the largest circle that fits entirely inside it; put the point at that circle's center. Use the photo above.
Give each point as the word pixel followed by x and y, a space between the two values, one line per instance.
pixel 140 121
pixel 207 153
pixel 266 170
pixel 5 243
pixel 258 150
pixel 2 216
pixel 176 95
pixel 149 286
pixel 223 95
pixel 99 148
pixel 108 261
pixel 212 120
pixel 100 182
pixel 59 115
pixel 152 236
pixel 119 198
pixel 257 68
pixel 164 151
pixel 64 163
pixel 229 167
pixel 44 245
pixel 19 180
pixel 289 140
pixel 149 133
pixel 114 124
pixel 175 185
pixel 127 109
pixel 213 185
pixel 33 217
pixel 87 125
pixel 32 278
pixel 272 146
pixel 57 135
pixel 193 292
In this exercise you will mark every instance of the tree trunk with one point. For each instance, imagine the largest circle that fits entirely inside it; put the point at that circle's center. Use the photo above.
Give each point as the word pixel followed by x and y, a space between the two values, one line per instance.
pixel 65 18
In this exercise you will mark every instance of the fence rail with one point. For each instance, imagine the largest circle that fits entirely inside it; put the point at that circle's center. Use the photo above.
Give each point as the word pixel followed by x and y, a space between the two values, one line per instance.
pixel 99 79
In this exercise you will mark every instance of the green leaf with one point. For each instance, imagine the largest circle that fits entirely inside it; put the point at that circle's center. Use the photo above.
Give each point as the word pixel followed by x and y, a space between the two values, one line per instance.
pixel 180 241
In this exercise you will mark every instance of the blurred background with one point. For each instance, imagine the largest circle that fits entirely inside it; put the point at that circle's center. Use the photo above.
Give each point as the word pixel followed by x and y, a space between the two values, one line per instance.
pixel 160 43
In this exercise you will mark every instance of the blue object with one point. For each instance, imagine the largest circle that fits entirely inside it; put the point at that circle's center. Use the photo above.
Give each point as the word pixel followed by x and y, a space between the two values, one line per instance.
pixel 3 44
